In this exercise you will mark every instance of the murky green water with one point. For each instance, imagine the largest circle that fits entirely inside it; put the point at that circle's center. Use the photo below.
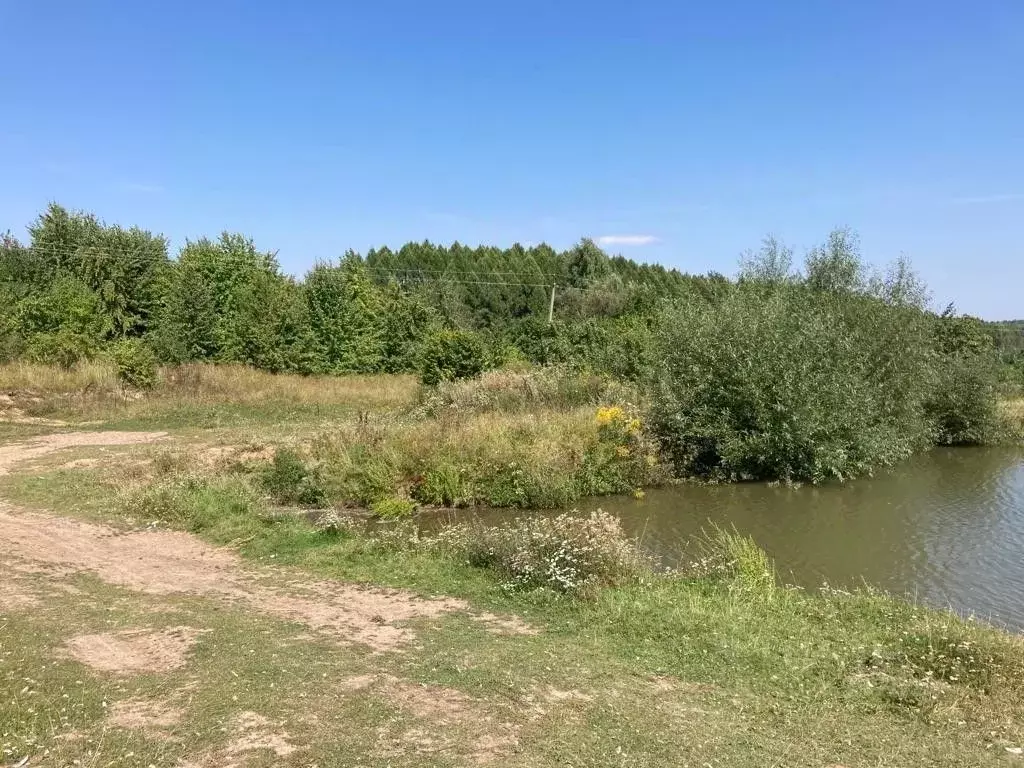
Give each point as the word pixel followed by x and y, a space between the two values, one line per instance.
pixel 946 527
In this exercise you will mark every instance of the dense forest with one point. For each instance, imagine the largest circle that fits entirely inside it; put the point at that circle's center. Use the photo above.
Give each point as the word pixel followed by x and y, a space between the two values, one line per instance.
pixel 826 369
pixel 79 285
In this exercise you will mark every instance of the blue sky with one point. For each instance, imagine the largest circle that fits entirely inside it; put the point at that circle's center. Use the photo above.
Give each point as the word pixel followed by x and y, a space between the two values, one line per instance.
pixel 687 130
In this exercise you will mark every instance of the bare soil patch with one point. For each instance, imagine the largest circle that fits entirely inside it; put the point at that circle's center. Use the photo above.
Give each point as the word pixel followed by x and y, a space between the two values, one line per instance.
pixel 367 615
pixel 134 651
pixel 155 717
pixel 15 595
pixel 450 722
pixel 171 562
pixel 222 455
pixel 18 452
pixel 81 464
pixel 505 625
pixel 251 732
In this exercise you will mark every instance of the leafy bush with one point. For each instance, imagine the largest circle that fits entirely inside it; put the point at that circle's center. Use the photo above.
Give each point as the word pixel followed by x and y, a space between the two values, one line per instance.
pixel 624 459
pixel 63 348
pixel 451 354
pixel 136 364
pixel 567 553
pixel 964 402
pixel 791 384
pixel 964 407
pixel 393 507
pixel 443 485
pixel 290 481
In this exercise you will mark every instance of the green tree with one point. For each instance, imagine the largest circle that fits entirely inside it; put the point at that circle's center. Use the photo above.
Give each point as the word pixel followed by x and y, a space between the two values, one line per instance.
pixel 795 384
pixel 773 263
pixel 345 314
pixel 185 326
pixel 405 322
pixel 451 354
pixel 62 324
pixel 268 326
pixel 963 402
pixel 836 266
pixel 122 267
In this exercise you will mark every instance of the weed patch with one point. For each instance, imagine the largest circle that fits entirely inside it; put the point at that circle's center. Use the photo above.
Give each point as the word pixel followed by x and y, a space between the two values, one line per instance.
pixel 567 554
pixel 290 481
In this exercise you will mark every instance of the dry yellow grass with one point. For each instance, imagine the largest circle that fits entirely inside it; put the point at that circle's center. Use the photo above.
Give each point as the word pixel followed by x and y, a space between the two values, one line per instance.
pixel 241 385
pixel 554 438
pixel 1014 412
pixel 46 379
pixel 91 388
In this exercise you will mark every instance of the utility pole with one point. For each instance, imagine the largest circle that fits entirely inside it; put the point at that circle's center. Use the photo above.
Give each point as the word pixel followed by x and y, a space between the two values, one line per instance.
pixel 551 308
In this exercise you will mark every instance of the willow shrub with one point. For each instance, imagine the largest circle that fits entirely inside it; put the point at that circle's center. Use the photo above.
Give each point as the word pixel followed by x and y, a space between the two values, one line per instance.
pixel 786 383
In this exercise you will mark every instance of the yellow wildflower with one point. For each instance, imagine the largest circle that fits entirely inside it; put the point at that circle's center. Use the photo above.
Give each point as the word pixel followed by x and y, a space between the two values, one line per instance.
pixel 609 414
pixel 638 494
pixel 621 451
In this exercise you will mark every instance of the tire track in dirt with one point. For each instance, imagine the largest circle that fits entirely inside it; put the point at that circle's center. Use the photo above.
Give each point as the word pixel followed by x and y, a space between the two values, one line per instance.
pixel 171 562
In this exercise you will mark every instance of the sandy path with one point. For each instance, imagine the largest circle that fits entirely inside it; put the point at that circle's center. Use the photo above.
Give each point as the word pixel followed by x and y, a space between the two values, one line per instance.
pixel 169 562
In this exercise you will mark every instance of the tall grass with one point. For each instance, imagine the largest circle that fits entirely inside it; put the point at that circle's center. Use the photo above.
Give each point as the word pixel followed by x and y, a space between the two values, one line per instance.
pixel 240 384
pixel 513 391
pixel 544 458
pixel 1012 411
pixel 40 380
pixel 749 571
pixel 92 390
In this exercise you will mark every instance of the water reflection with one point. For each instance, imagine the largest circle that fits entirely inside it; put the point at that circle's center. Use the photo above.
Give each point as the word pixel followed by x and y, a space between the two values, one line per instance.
pixel 946 528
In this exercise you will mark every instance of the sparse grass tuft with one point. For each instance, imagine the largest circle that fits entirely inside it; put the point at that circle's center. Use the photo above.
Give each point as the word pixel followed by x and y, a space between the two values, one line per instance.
pixel 749 570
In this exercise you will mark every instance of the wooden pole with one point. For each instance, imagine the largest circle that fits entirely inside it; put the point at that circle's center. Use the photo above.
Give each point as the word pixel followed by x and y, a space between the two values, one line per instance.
pixel 551 307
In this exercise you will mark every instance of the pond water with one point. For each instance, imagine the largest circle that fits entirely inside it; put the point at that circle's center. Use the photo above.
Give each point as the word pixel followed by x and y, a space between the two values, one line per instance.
pixel 946 528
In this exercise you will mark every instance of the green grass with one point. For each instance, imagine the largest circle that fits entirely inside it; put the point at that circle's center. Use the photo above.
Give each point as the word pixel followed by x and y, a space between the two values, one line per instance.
pixel 742 671
pixel 722 665
pixel 526 439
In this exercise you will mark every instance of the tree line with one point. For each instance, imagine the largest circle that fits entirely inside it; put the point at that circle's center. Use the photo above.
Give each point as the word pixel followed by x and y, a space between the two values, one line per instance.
pixel 822 369
pixel 79 285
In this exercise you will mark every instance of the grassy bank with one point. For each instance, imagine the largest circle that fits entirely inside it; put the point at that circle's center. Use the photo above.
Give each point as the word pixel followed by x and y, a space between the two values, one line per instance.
pixel 533 438
pixel 716 664
pixel 194 395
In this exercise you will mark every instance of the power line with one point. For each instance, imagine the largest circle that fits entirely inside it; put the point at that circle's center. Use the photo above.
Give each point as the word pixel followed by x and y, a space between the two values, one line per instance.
pixel 421 275
pixel 108 252
pixel 417 275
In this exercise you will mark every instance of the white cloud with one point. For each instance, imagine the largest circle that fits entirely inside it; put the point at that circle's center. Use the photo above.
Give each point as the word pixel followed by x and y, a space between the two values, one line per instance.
pixel 604 240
